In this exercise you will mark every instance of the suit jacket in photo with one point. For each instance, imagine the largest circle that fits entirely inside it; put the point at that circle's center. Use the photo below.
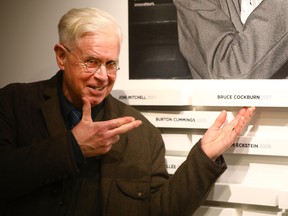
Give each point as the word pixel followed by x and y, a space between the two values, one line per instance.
pixel 217 45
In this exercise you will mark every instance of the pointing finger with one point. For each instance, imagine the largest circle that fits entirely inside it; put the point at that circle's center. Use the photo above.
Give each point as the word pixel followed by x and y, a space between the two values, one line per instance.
pixel 123 125
pixel 116 123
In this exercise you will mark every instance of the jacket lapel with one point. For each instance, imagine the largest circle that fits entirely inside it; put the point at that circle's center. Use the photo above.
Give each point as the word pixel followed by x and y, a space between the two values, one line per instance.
pixel 51 109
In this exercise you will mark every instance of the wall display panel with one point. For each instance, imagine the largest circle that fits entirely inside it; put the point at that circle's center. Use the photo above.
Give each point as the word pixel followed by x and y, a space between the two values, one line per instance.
pixel 40 63
pixel 283 197
pixel 234 211
pixel 183 108
pixel 253 182
pixel 260 93
pixel 152 60
pixel 264 135
pixel 257 162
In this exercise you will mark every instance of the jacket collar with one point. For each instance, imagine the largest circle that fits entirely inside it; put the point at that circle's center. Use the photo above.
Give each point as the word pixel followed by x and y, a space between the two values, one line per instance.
pixel 51 108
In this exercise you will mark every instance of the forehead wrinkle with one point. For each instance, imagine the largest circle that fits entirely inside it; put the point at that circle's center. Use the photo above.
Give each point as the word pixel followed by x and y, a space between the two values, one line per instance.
pixel 100 47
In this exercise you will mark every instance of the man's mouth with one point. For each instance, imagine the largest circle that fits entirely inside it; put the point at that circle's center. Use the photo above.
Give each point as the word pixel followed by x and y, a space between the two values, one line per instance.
pixel 97 88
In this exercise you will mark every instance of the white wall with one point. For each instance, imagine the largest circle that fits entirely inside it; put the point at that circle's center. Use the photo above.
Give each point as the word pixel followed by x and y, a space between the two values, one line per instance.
pixel 28 32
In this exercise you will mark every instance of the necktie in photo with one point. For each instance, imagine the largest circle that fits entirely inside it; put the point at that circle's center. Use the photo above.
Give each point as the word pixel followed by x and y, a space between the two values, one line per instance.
pixel 74 118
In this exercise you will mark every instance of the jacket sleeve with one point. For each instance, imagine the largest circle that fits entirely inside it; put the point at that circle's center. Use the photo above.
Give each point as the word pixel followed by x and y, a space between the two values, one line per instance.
pixel 186 190
pixel 258 49
pixel 29 158
pixel 26 169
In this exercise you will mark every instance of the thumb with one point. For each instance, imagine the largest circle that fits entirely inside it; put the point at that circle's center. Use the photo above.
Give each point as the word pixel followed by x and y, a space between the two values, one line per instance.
pixel 86 109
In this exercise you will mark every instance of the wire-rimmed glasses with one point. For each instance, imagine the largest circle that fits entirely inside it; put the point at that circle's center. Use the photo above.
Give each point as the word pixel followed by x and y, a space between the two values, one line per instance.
pixel 92 65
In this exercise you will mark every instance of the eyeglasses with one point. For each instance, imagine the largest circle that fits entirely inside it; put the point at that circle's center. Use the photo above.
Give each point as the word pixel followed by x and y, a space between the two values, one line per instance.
pixel 92 65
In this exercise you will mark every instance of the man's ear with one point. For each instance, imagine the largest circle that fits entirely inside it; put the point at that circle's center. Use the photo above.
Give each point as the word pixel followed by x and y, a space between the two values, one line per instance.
pixel 60 55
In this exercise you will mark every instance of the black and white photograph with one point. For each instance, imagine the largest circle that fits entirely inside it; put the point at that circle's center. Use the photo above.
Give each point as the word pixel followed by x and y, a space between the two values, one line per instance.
pixel 153 41
pixel 176 39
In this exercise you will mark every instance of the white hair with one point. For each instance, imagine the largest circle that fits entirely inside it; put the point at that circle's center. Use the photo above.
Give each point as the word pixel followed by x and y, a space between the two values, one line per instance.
pixel 77 22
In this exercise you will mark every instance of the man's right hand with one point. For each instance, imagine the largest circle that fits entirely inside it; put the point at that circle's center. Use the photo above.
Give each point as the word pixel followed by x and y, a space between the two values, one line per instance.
pixel 97 138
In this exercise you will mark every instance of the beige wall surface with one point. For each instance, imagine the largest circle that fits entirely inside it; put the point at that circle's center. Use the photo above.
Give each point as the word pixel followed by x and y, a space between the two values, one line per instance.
pixel 28 34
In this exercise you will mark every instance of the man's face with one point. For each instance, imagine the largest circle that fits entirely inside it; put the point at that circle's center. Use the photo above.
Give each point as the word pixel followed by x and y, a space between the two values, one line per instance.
pixel 77 83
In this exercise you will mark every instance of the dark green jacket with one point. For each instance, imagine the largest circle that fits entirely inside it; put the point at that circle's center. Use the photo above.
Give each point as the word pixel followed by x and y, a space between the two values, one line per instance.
pixel 39 175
